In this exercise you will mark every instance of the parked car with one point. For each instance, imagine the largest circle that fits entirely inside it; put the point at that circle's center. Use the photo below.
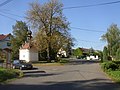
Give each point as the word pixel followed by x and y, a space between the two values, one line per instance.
pixel 21 64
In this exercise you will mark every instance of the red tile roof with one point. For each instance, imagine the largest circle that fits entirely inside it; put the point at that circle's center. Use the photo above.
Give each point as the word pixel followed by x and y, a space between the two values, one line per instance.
pixel 2 36
pixel 84 50
pixel 26 46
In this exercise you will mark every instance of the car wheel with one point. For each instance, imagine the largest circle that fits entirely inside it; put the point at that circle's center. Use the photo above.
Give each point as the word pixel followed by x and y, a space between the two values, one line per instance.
pixel 13 67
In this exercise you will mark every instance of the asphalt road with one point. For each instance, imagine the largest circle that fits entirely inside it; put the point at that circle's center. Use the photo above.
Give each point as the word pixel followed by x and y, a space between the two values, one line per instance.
pixel 77 75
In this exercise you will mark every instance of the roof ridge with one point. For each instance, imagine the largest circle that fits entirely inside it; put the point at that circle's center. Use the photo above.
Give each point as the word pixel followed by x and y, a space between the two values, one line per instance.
pixel 3 36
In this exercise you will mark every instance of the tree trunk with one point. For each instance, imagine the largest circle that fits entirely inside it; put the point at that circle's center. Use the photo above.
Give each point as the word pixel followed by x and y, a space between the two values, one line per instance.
pixel 49 52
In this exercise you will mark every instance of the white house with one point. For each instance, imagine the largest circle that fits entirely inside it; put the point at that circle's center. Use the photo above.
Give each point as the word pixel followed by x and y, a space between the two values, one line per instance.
pixel 28 52
pixel 5 45
pixel 92 57
pixel 61 53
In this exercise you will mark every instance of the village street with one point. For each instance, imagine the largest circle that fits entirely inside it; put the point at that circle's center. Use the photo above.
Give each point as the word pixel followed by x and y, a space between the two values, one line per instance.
pixel 78 75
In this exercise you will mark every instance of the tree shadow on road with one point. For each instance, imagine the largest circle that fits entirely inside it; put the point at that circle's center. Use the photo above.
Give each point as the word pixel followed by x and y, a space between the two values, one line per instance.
pixel 37 73
pixel 93 84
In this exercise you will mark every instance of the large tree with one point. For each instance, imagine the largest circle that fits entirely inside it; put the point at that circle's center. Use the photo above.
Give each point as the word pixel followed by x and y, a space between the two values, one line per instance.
pixel 113 39
pixel 105 54
pixel 77 52
pixel 19 37
pixel 52 27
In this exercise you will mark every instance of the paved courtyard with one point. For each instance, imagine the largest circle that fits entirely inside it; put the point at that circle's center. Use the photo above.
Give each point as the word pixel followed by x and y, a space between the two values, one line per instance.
pixel 78 75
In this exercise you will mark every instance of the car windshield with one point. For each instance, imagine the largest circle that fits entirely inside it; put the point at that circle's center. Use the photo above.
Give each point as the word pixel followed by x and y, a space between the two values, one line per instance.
pixel 23 61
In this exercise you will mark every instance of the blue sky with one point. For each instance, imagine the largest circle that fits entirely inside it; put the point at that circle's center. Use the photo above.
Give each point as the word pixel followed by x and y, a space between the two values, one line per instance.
pixel 97 18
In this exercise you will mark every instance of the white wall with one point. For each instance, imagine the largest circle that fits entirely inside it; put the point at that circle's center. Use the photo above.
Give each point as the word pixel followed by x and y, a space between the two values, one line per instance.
pixel 24 54
pixel 33 56
pixel 92 57
pixel 28 55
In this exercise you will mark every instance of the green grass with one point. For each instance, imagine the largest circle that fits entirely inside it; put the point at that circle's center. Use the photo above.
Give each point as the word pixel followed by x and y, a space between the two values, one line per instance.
pixel 112 69
pixel 6 74
pixel 114 75
pixel 63 61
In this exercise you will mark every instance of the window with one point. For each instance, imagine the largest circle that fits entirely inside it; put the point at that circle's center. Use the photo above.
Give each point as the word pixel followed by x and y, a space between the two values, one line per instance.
pixel 8 44
pixel 23 55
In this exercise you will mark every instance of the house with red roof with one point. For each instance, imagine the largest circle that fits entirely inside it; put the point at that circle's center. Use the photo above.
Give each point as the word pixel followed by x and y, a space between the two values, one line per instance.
pixel 5 41
pixel 5 45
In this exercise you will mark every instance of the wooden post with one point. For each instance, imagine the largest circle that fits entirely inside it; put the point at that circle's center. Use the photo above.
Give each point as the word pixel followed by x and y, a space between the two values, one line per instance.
pixel 7 50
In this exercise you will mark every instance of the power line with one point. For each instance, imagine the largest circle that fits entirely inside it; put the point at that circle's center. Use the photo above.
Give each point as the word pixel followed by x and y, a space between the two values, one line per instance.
pixel 23 17
pixel 82 29
pixel 11 14
pixel 88 41
pixel 5 2
pixel 27 22
pixel 8 17
pixel 93 5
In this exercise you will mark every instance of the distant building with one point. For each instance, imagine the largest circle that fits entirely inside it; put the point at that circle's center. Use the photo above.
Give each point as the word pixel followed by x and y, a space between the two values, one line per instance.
pixel 5 45
pixel 5 41
pixel 61 53
pixel 89 54
pixel 92 57
pixel 28 52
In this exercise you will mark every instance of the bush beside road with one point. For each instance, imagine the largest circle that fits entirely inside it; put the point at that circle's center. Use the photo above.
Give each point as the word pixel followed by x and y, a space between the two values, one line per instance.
pixel 6 74
pixel 112 68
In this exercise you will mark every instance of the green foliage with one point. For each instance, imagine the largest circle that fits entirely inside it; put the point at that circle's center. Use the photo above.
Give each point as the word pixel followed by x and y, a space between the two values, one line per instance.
pixel 2 55
pixel 105 54
pixel 6 74
pixel 112 37
pixel 91 51
pixel 109 66
pixel 77 52
pixel 19 37
pixel 118 63
pixel 115 75
pixel 100 54
pixel 112 68
pixel 63 61
pixel 118 54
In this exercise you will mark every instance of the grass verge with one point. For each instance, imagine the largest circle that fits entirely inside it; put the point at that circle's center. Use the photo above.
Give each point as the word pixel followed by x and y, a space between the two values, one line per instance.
pixel 47 64
pixel 114 75
pixel 7 74
pixel 59 63
pixel 112 69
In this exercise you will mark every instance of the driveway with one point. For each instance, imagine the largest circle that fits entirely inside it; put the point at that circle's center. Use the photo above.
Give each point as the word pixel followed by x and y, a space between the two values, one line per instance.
pixel 77 75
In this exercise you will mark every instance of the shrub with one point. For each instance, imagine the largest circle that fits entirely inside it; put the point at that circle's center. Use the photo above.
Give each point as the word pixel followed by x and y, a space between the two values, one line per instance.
pixel 105 54
pixel 64 61
pixel 115 75
pixel 6 74
pixel 117 62
pixel 108 66
pixel 118 54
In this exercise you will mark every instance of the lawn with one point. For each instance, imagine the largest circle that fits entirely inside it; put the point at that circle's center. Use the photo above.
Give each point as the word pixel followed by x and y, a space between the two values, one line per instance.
pixel 6 74
pixel 114 75
pixel 112 68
